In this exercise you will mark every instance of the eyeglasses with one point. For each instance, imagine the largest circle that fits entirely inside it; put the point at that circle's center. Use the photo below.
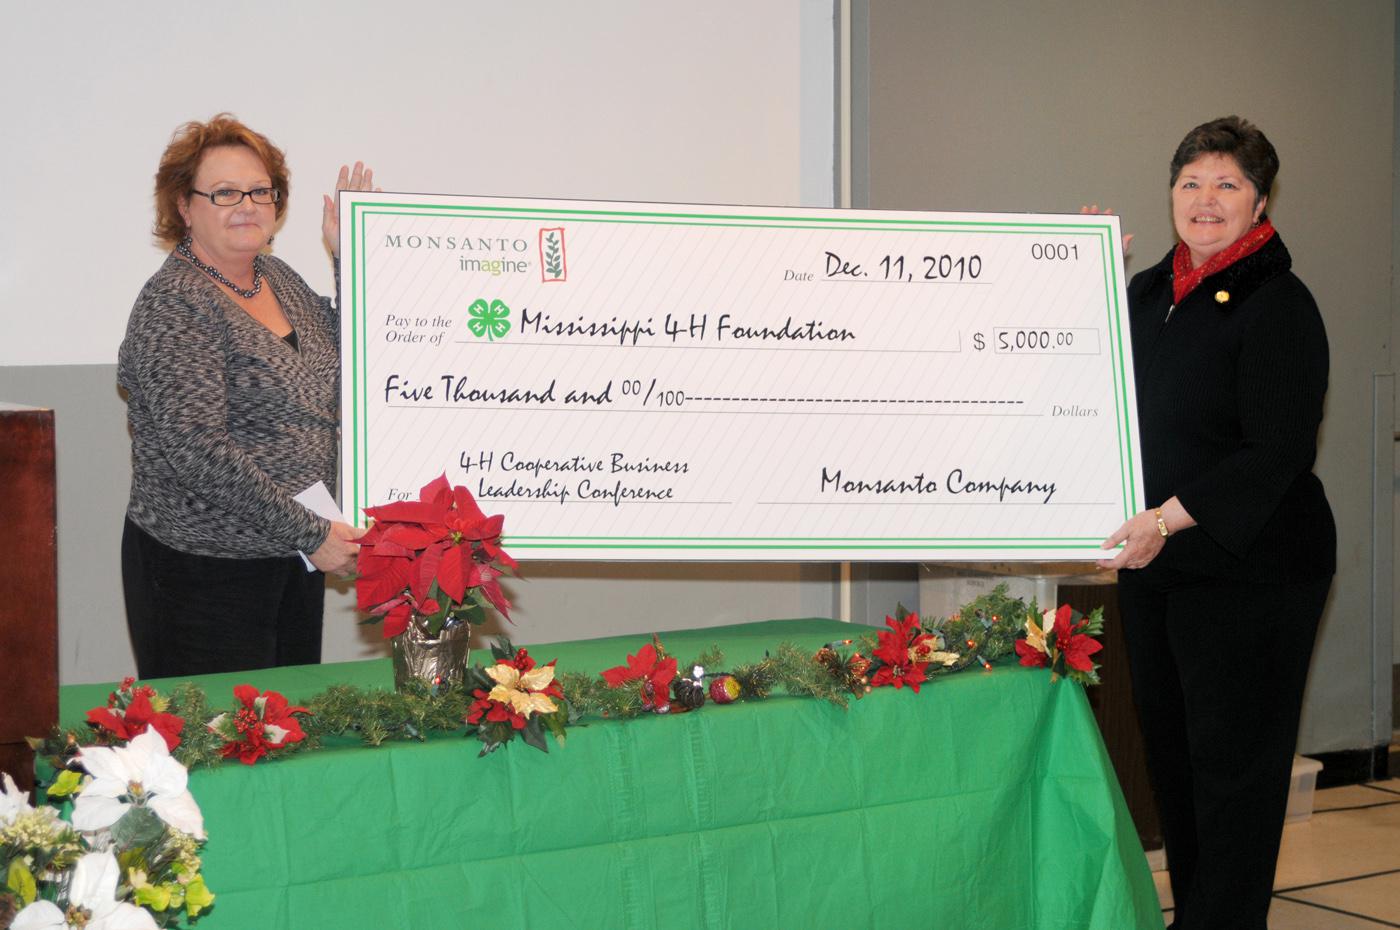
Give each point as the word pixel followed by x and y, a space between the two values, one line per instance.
pixel 228 197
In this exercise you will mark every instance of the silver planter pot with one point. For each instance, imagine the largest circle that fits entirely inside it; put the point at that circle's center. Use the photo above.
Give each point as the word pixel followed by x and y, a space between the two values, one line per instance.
pixel 435 662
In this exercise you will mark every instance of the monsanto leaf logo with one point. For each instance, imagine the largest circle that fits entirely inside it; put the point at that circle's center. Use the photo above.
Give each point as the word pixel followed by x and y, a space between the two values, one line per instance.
pixel 488 322
pixel 554 263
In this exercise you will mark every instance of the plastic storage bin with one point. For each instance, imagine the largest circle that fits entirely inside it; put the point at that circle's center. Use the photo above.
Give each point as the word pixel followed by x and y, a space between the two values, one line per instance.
pixel 1300 789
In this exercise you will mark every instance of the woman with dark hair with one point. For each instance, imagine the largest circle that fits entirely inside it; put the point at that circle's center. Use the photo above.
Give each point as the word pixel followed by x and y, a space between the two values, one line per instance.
pixel 1224 576
pixel 231 366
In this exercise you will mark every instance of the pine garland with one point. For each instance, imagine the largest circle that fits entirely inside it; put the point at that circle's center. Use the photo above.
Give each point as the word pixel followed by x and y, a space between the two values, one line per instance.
pixel 796 673
pixel 380 716
pixel 979 634
pixel 590 696
pixel 199 745
pixel 982 632
pixel 756 679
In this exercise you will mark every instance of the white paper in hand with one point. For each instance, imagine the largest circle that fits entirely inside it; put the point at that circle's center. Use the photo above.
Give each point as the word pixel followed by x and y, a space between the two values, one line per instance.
pixel 318 500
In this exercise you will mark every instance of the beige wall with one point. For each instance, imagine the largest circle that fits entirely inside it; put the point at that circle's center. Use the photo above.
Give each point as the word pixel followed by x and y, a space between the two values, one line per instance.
pixel 1043 107
pixel 575 101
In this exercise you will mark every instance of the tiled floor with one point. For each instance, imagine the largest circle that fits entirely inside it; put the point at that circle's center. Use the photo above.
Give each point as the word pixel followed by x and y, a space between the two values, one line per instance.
pixel 1339 870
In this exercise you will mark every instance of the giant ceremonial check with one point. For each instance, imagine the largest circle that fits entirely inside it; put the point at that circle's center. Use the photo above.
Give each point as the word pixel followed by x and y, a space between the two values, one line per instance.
pixel 680 382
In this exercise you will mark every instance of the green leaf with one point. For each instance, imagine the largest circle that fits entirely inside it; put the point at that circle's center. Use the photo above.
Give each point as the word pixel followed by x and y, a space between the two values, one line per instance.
pixel 44 765
pixel 556 724
pixel 502 648
pixel 533 734
pixel 197 896
pixel 21 881
pixel 65 784
pixel 156 897
pixel 130 859
pixel 138 827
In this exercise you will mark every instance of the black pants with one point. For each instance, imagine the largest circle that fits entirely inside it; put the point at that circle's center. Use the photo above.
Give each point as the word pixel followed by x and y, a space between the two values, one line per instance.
pixel 194 614
pixel 1218 673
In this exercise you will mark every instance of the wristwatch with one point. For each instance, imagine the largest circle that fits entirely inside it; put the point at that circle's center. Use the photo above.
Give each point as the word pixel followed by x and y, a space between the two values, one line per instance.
pixel 1161 524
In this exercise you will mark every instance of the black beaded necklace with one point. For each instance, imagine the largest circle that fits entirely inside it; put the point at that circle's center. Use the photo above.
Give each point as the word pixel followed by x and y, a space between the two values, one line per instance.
pixel 184 249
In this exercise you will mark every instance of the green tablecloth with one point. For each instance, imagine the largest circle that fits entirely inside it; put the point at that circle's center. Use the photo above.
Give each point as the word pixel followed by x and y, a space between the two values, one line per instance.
pixel 987 801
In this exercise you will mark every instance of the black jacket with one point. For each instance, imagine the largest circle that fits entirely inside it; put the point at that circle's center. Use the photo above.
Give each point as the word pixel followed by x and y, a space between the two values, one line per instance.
pixel 1229 395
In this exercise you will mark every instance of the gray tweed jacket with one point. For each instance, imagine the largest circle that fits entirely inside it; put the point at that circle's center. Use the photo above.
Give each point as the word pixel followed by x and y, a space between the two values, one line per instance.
pixel 227 420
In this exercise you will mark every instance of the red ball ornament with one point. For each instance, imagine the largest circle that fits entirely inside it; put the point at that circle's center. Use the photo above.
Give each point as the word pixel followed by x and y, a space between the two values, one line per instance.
pixel 724 689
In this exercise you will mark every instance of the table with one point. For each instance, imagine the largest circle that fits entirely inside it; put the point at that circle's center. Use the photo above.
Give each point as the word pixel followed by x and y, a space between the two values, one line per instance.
pixel 986 801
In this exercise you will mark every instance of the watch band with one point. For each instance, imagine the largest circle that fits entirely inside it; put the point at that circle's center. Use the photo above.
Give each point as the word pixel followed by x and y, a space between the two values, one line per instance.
pixel 1161 524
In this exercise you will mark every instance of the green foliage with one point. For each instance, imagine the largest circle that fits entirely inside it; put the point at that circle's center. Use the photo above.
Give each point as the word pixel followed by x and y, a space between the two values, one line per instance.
pixel 199 746
pixel 533 733
pixel 796 673
pixel 590 696
pixel 984 630
pixel 21 881
pixel 709 660
pixel 556 724
pixel 986 627
pixel 138 828
pixel 756 679
pixel 197 896
pixel 1093 623
pixel 65 784
pixel 380 716
pixel 154 897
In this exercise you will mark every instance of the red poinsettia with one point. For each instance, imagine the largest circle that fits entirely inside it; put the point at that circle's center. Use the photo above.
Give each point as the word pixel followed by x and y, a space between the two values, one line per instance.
pixel 264 724
pixel 1076 646
pixel 428 556
pixel 489 711
pixel 896 648
pixel 1031 657
pixel 652 670
pixel 130 712
pixel 1061 644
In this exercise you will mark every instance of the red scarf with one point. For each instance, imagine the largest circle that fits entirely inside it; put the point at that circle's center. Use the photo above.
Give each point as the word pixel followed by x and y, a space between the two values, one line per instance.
pixel 1185 278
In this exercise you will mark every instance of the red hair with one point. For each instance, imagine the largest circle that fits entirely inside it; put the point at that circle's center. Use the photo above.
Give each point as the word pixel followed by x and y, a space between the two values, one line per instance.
pixel 180 163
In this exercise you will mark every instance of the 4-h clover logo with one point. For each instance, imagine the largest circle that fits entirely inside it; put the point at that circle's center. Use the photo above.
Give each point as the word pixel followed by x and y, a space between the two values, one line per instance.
pixel 488 322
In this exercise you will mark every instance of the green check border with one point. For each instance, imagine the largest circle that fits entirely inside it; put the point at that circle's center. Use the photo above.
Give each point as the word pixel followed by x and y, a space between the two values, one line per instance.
pixel 358 471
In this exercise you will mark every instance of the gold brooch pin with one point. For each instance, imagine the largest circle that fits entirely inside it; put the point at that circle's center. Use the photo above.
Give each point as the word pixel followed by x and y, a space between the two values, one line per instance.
pixel 1222 297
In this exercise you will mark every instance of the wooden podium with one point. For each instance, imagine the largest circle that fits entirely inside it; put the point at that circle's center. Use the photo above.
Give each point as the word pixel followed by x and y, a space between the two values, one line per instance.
pixel 28 586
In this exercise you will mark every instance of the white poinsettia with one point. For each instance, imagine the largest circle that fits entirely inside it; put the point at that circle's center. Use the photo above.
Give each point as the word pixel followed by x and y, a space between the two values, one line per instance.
pixel 92 903
pixel 141 773
pixel 13 802
pixel 519 691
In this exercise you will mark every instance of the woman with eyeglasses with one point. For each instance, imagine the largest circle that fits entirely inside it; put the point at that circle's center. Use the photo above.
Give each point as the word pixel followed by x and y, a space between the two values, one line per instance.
pixel 231 367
